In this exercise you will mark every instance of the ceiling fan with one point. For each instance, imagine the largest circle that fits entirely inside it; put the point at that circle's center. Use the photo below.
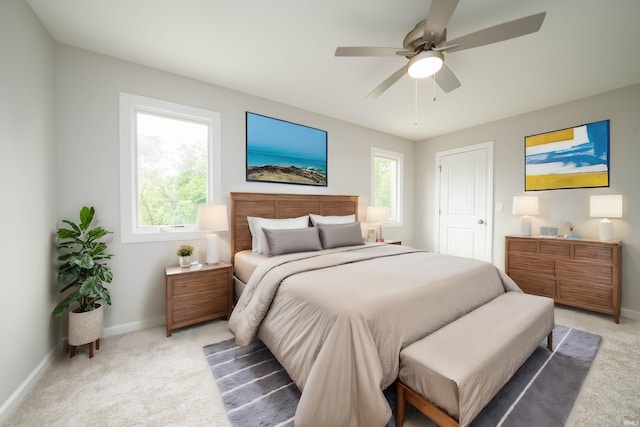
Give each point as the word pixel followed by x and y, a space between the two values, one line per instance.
pixel 424 46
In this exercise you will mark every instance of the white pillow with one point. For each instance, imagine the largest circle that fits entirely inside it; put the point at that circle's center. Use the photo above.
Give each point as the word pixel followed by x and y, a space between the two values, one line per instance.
pixel 256 224
pixel 334 219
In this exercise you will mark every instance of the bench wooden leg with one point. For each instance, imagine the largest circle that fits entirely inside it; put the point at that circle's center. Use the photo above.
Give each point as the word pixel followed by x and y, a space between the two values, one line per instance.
pixel 423 405
pixel 98 344
pixel 400 404
pixel 550 341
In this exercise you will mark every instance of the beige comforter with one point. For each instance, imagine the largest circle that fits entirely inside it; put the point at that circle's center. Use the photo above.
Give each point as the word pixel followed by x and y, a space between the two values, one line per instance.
pixel 338 321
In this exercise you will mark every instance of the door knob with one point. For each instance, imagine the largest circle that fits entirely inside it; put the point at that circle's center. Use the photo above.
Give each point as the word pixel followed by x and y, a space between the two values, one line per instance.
pixel 480 221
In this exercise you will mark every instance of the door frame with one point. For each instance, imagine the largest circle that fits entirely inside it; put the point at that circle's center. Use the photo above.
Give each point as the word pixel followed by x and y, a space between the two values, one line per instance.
pixel 488 148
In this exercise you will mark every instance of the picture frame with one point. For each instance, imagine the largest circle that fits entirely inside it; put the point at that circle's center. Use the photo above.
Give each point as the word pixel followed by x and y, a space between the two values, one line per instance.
pixel 575 157
pixel 280 151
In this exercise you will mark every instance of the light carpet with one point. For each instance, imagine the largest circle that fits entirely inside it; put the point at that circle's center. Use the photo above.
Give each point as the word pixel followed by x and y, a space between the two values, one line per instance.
pixel 257 391
pixel 143 378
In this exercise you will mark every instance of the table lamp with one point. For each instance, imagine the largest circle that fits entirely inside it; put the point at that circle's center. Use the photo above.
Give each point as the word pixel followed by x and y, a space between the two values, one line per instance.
pixel 525 206
pixel 605 207
pixel 212 218
pixel 377 215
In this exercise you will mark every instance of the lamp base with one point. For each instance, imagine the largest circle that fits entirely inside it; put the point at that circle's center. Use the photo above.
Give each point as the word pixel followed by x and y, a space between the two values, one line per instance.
pixel 525 226
pixel 212 249
pixel 606 229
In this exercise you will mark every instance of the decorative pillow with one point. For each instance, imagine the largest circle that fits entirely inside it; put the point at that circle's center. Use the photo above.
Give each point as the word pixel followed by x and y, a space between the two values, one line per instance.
pixel 333 219
pixel 336 235
pixel 256 224
pixel 292 240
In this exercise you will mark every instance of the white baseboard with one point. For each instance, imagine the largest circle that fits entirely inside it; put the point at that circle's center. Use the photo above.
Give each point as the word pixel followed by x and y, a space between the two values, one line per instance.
pixel 631 314
pixel 18 396
pixel 133 326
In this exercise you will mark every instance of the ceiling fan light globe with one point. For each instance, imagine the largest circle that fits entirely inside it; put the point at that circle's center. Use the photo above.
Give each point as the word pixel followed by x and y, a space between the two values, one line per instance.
pixel 425 64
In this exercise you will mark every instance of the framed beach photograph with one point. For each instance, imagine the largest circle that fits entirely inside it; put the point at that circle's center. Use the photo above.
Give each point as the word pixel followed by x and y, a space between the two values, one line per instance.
pixel 576 157
pixel 285 152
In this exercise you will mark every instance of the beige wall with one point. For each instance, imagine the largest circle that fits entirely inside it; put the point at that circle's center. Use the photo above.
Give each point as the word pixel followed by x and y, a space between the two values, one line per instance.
pixel 88 87
pixel 622 108
pixel 27 195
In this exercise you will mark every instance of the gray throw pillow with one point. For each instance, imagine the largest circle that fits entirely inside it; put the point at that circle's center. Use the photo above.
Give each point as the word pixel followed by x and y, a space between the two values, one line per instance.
pixel 336 235
pixel 284 241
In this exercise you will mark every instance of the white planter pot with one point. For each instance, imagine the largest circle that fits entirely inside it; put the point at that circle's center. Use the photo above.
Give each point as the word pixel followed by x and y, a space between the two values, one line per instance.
pixel 185 261
pixel 85 327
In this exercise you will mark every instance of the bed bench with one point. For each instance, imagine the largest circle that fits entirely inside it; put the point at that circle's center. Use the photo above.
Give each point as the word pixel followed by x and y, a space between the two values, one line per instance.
pixel 451 374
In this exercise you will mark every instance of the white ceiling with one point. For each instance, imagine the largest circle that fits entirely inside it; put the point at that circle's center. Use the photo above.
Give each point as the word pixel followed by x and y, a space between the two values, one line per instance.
pixel 283 50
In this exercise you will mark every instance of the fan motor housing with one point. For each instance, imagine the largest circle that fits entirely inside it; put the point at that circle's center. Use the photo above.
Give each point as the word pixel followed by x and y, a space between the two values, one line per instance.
pixel 415 41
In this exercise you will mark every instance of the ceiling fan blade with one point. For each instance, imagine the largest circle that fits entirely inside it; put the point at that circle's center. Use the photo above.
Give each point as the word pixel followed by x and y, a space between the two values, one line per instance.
pixel 368 51
pixel 387 83
pixel 438 17
pixel 505 31
pixel 446 79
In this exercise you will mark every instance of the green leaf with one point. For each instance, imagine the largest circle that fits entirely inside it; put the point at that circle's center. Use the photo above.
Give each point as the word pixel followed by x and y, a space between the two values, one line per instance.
pixel 86 216
pixel 65 303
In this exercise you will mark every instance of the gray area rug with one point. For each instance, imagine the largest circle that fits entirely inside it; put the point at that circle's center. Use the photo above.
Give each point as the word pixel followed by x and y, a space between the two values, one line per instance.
pixel 257 391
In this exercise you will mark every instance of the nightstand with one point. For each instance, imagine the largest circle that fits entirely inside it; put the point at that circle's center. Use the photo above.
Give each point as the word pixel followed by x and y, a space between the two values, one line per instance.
pixel 198 295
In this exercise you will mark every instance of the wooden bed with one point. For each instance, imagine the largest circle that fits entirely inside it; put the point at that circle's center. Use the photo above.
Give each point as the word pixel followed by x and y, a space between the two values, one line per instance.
pixel 337 320
pixel 267 205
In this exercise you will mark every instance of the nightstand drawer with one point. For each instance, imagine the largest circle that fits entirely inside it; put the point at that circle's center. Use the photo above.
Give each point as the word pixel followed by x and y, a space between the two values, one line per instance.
pixel 189 284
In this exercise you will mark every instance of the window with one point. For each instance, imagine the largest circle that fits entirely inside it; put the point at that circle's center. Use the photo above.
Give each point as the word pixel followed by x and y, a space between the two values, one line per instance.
pixel 386 182
pixel 169 165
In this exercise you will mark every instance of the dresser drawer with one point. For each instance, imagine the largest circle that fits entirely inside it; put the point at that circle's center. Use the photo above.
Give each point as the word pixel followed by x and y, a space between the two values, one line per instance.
pixel 522 246
pixel 520 264
pixel 592 297
pixel 535 285
pixel 591 252
pixel 589 273
pixel 557 249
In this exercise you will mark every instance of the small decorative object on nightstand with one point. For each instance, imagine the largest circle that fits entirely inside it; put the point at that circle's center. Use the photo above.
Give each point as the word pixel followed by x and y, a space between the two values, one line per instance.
pixel 198 295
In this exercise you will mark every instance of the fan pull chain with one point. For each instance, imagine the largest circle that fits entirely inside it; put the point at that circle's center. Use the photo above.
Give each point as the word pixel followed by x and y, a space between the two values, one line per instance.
pixel 434 88
pixel 415 121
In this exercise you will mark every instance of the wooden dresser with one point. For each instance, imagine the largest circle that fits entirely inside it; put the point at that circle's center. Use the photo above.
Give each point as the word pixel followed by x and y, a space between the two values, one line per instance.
pixel 580 273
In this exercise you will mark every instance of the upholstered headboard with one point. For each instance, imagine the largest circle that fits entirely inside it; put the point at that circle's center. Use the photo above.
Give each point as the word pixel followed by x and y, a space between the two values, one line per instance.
pixel 281 206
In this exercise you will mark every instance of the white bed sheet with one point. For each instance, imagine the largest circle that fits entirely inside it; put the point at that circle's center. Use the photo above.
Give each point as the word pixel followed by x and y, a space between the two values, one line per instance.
pixel 244 264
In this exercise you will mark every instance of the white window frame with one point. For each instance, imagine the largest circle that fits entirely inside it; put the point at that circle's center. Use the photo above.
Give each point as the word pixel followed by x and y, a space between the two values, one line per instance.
pixel 396 217
pixel 130 105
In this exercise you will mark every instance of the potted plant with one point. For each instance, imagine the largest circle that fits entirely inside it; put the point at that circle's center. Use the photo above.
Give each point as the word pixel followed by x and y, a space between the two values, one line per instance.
pixel 83 271
pixel 184 253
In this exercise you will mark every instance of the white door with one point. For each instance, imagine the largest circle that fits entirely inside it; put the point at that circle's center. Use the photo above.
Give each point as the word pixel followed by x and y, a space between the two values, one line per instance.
pixel 464 184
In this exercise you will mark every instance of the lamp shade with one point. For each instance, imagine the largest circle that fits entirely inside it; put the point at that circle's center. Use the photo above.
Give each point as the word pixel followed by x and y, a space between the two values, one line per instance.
pixel 606 206
pixel 377 214
pixel 525 205
pixel 425 64
pixel 212 218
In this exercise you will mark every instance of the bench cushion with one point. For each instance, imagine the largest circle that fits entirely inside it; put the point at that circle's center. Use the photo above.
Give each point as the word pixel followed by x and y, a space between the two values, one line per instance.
pixel 461 366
